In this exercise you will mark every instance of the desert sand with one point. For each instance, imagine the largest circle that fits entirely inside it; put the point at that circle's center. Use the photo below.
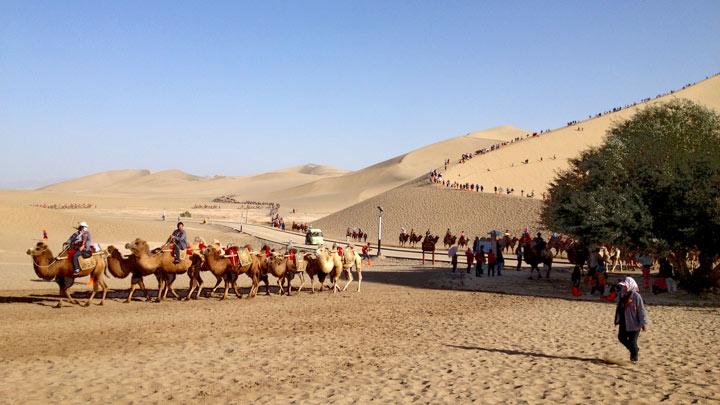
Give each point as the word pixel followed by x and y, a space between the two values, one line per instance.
pixel 414 334
pixel 410 336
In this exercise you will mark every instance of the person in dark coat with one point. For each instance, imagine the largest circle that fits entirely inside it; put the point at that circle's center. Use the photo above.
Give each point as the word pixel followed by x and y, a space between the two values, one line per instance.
pixel 179 239
pixel 631 316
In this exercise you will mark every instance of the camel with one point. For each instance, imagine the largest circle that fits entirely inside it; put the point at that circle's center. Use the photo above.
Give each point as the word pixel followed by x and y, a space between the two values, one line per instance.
pixel 161 260
pixel 414 239
pixel 531 255
pixel 48 267
pixel 616 258
pixel 229 270
pixel 510 243
pixel 121 267
pixel 547 260
pixel 449 240
pixel 578 254
pixel 296 265
pixel 430 238
pixel 463 241
pixel 328 263
pixel 351 258
pixel 404 237
pixel 276 264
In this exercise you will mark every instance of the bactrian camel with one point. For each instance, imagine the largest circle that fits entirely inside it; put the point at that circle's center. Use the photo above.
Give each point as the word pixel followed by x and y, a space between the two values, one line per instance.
pixel 351 258
pixel 121 267
pixel 49 267
pixel 162 261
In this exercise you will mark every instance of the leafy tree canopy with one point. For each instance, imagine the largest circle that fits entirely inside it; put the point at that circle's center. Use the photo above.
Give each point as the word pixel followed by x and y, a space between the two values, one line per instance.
pixel 653 186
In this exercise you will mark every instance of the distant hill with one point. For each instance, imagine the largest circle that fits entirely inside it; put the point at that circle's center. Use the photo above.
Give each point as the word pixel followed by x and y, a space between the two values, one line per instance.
pixel 149 183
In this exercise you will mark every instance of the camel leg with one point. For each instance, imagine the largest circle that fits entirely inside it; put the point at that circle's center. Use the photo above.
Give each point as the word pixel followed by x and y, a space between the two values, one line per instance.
pixel 161 286
pixel 172 289
pixel 103 285
pixel 227 286
pixel 359 273
pixel 191 288
pixel 200 284
pixel 234 279
pixel 312 285
pixel 66 292
pixel 63 292
pixel 132 290
pixel 141 283
pixel 302 281
pixel 267 285
pixel 235 287
pixel 218 280
pixel 349 277
pixel 279 283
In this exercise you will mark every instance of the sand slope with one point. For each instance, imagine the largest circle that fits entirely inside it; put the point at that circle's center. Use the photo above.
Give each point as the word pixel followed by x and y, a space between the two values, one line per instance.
pixel 504 168
pixel 332 194
pixel 423 206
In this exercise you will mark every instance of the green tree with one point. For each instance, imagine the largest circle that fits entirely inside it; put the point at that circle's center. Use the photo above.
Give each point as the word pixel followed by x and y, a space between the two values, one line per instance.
pixel 653 186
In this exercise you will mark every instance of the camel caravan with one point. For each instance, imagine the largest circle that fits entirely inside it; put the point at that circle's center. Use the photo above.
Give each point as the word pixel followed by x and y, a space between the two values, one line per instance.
pixel 226 264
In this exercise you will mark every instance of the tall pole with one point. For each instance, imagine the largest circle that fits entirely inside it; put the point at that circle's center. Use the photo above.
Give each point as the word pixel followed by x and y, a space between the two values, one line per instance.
pixel 379 233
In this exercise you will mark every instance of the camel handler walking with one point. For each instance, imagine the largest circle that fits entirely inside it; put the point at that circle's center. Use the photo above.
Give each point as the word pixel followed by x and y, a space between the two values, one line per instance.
pixel 79 242
pixel 179 238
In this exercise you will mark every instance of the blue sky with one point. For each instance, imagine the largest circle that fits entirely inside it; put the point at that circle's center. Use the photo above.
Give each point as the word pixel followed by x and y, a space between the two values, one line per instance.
pixel 238 88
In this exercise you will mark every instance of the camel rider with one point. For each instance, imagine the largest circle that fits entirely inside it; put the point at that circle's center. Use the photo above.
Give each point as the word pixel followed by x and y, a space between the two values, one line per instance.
pixel 403 230
pixel 80 241
pixel 179 239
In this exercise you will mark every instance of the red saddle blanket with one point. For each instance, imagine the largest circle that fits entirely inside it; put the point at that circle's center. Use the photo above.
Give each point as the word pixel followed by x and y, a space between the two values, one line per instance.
pixel 231 254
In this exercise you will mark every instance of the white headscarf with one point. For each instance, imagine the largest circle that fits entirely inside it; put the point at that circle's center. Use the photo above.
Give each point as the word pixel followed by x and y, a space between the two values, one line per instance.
pixel 628 285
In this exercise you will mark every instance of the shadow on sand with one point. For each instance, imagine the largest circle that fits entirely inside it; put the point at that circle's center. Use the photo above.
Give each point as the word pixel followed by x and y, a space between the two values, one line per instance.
pixel 531 354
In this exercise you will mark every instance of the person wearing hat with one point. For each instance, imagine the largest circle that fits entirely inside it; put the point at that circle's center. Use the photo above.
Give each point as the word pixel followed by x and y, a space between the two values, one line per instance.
pixel 630 315
pixel 80 243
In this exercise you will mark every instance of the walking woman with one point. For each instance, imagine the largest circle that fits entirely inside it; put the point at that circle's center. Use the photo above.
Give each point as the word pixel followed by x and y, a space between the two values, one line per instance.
pixel 630 315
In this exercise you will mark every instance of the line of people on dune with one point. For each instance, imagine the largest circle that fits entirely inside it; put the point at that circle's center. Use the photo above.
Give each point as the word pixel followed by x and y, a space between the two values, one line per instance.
pixel 205 206
pixel 63 205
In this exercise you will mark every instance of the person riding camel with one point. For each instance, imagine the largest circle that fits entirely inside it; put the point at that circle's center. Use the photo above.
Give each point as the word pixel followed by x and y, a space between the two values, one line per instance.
pixel 179 239
pixel 79 242
pixel 403 230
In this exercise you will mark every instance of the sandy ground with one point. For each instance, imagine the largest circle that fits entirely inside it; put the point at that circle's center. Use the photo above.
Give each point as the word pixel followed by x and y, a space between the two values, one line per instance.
pixel 409 336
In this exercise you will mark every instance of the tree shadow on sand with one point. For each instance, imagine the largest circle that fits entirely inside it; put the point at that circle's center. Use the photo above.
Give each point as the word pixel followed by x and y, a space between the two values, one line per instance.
pixel 531 354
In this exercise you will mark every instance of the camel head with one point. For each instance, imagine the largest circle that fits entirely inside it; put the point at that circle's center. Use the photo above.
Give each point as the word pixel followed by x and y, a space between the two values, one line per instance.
pixel 42 261
pixel 211 250
pixel 138 246
pixel 39 249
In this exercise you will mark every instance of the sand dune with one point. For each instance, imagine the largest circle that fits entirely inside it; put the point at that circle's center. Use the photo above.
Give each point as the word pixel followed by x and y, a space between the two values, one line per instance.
pixel 419 205
pixel 505 168
pixel 331 194
pixel 149 184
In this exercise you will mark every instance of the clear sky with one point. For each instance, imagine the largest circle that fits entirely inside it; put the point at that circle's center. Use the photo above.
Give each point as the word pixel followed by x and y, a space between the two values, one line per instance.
pixel 237 88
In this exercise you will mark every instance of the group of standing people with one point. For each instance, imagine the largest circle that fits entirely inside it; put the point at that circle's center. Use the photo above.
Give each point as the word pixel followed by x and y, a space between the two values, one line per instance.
pixel 479 257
